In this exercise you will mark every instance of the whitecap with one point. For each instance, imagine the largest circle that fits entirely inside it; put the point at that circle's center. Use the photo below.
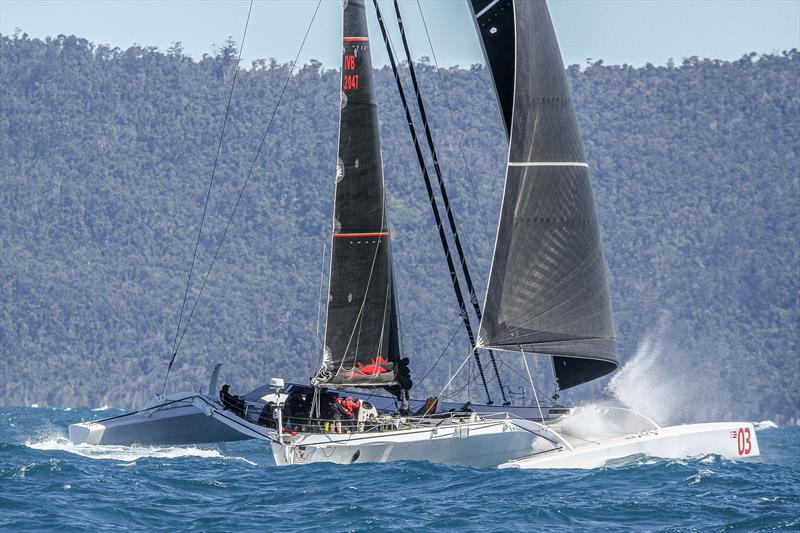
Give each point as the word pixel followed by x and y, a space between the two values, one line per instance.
pixel 103 408
pixel 251 463
pixel 764 424
pixel 700 475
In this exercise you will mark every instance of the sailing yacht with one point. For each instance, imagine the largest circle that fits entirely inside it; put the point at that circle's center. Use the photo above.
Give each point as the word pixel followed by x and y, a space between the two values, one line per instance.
pixel 547 295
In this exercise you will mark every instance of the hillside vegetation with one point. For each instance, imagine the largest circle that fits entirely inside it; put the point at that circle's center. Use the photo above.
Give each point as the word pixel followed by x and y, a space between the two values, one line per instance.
pixel 106 155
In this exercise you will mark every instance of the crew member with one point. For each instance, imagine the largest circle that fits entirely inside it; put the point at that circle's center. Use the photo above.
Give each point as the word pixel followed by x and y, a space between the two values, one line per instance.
pixel 348 408
pixel 337 412
pixel 295 410
pixel 231 401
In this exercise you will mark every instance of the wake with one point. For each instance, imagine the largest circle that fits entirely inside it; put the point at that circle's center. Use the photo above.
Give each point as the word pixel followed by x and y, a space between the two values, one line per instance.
pixel 121 453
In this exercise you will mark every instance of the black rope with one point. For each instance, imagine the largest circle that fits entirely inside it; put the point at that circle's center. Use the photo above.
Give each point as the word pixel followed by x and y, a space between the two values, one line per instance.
pixel 434 206
pixel 208 197
pixel 443 190
pixel 241 191
pixel 472 185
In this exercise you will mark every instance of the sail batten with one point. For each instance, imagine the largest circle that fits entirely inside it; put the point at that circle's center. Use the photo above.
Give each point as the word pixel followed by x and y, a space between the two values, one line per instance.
pixel 547 164
pixel 362 346
pixel 548 291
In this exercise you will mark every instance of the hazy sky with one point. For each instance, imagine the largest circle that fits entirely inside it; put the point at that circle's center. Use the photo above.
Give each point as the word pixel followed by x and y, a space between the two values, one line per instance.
pixel 617 31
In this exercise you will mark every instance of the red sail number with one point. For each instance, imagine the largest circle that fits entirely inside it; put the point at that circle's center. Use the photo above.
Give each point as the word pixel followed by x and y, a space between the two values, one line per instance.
pixel 350 81
pixel 349 62
pixel 743 444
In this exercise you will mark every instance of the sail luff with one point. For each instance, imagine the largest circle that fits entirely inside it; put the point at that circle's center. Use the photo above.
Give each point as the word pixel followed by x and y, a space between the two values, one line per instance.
pixel 547 291
pixel 361 345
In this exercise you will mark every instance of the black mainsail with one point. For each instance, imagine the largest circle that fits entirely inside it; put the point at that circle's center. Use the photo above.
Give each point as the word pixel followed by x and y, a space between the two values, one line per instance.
pixel 547 291
pixel 362 341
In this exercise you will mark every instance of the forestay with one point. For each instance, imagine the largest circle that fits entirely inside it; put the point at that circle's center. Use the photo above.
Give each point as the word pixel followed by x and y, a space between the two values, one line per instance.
pixel 547 291
pixel 362 344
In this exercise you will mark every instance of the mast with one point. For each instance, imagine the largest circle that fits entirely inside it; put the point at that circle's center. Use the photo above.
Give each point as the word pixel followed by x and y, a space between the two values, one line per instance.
pixel 548 291
pixel 362 338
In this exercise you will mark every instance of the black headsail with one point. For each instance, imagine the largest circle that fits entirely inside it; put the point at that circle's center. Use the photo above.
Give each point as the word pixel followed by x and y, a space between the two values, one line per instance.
pixel 362 341
pixel 547 291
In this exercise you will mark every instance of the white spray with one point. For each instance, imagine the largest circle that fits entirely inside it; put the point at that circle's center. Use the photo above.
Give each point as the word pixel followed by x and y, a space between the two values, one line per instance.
pixel 671 385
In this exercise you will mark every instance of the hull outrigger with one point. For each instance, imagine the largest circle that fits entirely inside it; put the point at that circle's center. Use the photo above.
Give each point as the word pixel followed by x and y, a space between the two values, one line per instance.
pixel 171 420
pixel 593 449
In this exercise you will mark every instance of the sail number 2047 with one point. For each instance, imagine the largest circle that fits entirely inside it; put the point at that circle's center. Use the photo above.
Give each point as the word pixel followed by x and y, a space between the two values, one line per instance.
pixel 349 82
pixel 743 444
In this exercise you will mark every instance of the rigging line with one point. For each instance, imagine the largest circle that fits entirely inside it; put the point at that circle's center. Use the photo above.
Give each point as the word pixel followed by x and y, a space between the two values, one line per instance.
pixel 432 199
pixel 467 358
pixel 452 396
pixel 443 191
pixel 503 364
pixel 208 194
pixel 470 178
pixel 472 185
pixel 535 396
pixel 453 336
pixel 319 302
pixel 246 181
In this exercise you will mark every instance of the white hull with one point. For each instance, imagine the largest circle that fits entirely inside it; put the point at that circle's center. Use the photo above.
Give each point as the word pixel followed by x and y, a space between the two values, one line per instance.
pixel 587 438
pixel 480 443
pixel 731 440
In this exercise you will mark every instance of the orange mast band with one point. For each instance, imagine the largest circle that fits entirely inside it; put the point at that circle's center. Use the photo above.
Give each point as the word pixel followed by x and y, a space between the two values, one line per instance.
pixel 355 38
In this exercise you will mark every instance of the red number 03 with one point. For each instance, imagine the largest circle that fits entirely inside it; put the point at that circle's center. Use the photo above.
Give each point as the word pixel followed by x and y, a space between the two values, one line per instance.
pixel 743 443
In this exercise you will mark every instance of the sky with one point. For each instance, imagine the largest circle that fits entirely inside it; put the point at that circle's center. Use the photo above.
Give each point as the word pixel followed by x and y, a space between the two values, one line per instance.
pixel 617 31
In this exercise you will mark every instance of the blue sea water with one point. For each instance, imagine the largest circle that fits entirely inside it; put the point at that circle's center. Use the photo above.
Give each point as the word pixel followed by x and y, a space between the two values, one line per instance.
pixel 46 484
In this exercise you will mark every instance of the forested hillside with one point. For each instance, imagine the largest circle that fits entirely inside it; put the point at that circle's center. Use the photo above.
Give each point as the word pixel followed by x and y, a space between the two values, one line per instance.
pixel 106 155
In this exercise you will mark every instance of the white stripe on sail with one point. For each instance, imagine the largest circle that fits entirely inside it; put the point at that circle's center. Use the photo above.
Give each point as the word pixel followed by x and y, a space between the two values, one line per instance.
pixel 547 164
pixel 485 9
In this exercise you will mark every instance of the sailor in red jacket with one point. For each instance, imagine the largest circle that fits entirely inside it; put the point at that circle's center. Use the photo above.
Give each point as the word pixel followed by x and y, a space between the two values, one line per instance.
pixel 348 407
pixel 351 405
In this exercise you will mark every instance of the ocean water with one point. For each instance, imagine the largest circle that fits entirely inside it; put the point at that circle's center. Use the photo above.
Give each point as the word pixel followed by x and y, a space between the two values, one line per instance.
pixel 47 484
